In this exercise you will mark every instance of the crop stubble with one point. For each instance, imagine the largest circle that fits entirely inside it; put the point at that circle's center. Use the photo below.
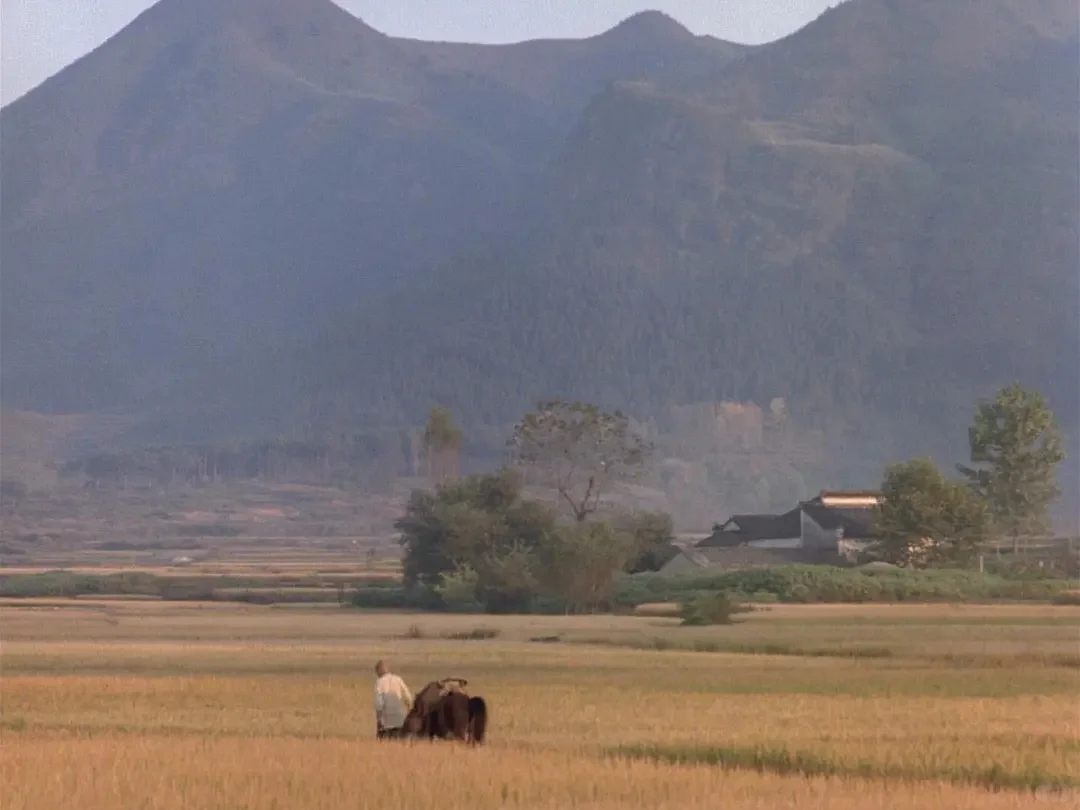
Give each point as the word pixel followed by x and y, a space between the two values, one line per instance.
pixel 255 716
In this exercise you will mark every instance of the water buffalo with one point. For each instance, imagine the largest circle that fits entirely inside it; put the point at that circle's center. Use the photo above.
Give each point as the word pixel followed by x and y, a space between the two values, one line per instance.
pixel 443 710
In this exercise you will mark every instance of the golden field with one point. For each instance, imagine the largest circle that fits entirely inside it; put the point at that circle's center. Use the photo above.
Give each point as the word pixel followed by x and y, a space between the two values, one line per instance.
pixel 166 706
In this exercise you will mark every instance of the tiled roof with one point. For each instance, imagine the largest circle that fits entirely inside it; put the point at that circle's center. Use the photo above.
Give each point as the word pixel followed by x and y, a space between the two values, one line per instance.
pixel 855 522
pixel 755 527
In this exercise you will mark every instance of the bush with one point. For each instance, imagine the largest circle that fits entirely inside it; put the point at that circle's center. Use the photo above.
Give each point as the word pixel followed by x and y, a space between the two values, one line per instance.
pixel 713 608
pixel 458 590
pixel 476 634
pixel 822 583
pixel 396 597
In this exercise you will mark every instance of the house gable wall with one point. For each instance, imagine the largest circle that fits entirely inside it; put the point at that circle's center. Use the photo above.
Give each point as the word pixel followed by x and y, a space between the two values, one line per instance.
pixel 815 537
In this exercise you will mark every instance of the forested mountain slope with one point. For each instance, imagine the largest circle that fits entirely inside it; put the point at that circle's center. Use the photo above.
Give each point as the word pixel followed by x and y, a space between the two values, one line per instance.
pixel 222 176
pixel 263 216
pixel 875 218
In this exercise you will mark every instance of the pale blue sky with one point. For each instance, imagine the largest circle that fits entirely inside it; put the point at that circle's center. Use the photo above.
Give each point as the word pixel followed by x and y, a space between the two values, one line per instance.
pixel 39 37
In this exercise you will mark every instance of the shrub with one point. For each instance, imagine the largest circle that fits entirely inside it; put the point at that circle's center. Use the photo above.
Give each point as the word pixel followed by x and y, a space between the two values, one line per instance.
pixel 476 634
pixel 713 608
pixel 458 590
pixel 822 583
pixel 396 597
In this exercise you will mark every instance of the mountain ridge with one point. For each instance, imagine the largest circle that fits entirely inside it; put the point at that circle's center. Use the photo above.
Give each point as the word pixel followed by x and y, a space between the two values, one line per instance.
pixel 873 218
pixel 169 185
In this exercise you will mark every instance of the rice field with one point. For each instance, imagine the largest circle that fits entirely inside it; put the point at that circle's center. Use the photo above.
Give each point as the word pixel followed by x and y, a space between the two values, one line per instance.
pixel 177 705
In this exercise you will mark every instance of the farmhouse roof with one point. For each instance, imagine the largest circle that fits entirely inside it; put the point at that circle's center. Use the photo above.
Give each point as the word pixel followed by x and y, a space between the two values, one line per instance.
pixel 854 499
pixel 743 528
pixel 854 522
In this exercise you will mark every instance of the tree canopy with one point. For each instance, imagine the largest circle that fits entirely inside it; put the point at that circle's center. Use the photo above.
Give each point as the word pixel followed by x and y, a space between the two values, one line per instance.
pixel 926 520
pixel 1016 446
pixel 476 542
pixel 578 449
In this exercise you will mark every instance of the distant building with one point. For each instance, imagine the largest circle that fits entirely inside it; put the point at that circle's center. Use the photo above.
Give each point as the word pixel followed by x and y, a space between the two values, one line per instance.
pixel 696 559
pixel 832 527
pixel 759 531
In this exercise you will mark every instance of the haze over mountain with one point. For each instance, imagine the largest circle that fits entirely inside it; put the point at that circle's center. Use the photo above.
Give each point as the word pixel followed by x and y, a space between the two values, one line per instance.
pixel 262 213
pixel 876 216
pixel 222 175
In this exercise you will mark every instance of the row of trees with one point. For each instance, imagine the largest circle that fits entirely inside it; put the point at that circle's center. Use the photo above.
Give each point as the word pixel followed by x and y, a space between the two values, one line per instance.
pixel 927 519
pixel 477 541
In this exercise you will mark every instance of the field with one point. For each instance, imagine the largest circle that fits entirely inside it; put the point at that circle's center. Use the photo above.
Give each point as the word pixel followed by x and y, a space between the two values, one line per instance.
pixel 164 706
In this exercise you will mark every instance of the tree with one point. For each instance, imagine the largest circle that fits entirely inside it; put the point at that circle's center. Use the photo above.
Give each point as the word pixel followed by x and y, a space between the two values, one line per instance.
pixel 925 519
pixel 654 538
pixel 579 450
pixel 579 562
pixel 506 582
pixel 442 445
pixel 469 523
pixel 1016 446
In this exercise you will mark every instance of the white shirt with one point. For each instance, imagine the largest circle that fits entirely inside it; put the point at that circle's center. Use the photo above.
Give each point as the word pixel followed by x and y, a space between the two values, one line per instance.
pixel 392 701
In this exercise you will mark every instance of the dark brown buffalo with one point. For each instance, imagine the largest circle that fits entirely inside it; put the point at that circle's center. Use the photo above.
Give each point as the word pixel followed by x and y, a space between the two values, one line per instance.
pixel 442 710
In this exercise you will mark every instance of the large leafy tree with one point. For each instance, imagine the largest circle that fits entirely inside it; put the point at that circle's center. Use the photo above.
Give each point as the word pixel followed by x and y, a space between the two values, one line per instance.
pixel 580 450
pixel 926 520
pixel 476 529
pixel 1016 446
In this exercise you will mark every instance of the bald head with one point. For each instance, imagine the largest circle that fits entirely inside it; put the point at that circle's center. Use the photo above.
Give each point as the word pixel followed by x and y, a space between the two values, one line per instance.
pixel 380 668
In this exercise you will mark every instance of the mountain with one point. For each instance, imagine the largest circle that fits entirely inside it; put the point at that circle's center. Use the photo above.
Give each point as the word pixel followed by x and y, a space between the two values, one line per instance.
pixel 223 175
pixel 265 216
pixel 874 218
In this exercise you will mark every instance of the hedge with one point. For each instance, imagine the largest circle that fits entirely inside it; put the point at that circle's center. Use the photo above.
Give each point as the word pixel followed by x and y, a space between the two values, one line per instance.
pixel 820 583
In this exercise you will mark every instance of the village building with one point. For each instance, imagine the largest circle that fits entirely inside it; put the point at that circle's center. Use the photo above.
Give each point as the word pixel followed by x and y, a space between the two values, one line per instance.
pixel 832 528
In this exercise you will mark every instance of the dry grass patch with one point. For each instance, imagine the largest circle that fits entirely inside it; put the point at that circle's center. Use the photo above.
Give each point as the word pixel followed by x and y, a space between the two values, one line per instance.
pixel 598 710
pixel 230 706
pixel 162 773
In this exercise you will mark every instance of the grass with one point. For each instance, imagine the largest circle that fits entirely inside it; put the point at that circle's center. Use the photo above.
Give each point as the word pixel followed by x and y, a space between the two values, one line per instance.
pixel 780 759
pixel 188 705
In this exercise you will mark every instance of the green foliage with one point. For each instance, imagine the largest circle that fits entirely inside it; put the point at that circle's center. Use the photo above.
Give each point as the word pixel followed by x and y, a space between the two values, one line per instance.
pixel 709 609
pixel 458 589
pixel 475 521
pixel 397 597
pixel 654 536
pixel 827 584
pixel 578 449
pixel 925 520
pixel 579 563
pixel 507 582
pixel 266 590
pixel 1016 446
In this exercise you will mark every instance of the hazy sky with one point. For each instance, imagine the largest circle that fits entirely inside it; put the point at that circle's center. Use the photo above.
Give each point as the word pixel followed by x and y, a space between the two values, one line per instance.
pixel 39 37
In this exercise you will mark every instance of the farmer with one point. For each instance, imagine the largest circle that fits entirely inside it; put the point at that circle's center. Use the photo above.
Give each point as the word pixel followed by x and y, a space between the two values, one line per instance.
pixel 392 702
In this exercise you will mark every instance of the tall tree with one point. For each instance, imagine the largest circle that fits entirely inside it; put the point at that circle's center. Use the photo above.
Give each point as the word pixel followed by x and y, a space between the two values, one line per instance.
pixel 925 519
pixel 1016 446
pixel 578 449
pixel 442 445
